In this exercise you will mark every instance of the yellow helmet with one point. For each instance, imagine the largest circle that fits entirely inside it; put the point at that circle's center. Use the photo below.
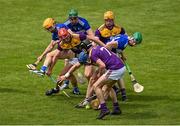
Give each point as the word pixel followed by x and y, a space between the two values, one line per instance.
pixel 108 15
pixel 48 22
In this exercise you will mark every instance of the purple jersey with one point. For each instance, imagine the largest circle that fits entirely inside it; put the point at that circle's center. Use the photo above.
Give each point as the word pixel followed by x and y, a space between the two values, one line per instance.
pixel 110 59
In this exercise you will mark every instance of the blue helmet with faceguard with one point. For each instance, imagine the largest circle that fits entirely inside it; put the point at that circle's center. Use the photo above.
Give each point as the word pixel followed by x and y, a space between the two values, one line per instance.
pixel 83 57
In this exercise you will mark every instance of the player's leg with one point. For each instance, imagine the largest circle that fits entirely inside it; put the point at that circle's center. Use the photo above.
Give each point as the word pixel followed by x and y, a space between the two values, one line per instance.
pixel 92 77
pixel 66 82
pixel 48 60
pixel 116 108
pixel 115 75
pixel 98 90
pixel 59 54
pixel 88 71
pixel 89 92
pixel 66 55
pixel 80 77
pixel 105 92
pixel 109 91
pixel 122 89
pixel 73 79
pixel 59 85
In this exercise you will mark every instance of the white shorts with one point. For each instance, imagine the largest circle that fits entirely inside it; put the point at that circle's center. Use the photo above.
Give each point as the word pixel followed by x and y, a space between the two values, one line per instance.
pixel 73 61
pixel 115 74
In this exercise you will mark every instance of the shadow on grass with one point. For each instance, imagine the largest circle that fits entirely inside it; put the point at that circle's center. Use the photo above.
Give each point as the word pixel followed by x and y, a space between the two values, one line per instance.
pixel 73 99
pixel 140 115
pixel 61 96
pixel 134 105
pixel 147 98
pixel 11 90
pixel 132 116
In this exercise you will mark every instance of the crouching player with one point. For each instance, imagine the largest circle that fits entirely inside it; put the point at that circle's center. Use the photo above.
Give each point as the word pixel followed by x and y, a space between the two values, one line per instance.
pixel 51 57
pixel 77 43
pixel 118 43
pixel 51 26
pixel 110 69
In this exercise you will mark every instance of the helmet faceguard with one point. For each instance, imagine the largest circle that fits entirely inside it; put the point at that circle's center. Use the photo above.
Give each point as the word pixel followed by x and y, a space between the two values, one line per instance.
pixel 83 57
pixel 73 16
pixel 64 35
pixel 135 39
pixel 109 19
pixel 131 41
pixel 138 37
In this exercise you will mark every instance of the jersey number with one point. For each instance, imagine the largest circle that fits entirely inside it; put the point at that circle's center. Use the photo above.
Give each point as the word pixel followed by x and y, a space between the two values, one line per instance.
pixel 103 48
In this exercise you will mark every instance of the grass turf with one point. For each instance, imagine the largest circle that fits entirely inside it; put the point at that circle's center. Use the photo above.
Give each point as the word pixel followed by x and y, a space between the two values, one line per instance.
pixel 154 63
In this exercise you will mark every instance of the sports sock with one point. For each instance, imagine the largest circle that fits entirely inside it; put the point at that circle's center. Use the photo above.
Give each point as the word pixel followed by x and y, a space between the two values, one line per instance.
pixel 123 92
pixel 76 89
pixel 43 68
pixel 103 107
pixel 115 88
pixel 116 106
pixel 66 82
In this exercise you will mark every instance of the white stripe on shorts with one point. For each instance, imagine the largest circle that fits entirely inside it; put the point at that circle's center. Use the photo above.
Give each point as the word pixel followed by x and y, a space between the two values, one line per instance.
pixel 73 61
pixel 115 74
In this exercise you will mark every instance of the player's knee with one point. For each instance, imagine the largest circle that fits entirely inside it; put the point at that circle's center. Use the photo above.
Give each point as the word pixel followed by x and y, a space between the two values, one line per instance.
pixel 104 88
pixel 49 55
pixel 88 75
pixel 95 87
pixel 73 79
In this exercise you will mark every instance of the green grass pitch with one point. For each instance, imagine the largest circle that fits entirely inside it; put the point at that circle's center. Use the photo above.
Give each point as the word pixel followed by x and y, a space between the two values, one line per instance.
pixel 155 63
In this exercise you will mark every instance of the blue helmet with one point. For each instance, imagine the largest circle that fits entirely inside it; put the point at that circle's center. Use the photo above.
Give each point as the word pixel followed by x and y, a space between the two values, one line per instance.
pixel 83 57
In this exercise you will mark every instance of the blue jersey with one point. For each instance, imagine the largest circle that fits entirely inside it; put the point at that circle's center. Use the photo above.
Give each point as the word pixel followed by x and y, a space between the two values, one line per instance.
pixel 122 41
pixel 81 27
pixel 55 34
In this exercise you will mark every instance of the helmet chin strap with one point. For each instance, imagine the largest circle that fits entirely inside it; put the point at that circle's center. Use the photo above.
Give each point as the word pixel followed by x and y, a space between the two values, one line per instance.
pixel 130 38
pixel 64 41
pixel 110 27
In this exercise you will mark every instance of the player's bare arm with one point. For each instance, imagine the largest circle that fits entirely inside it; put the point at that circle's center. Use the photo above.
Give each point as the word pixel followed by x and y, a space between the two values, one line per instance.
pixel 101 66
pixel 90 32
pixel 96 40
pixel 48 49
pixel 112 44
pixel 71 70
